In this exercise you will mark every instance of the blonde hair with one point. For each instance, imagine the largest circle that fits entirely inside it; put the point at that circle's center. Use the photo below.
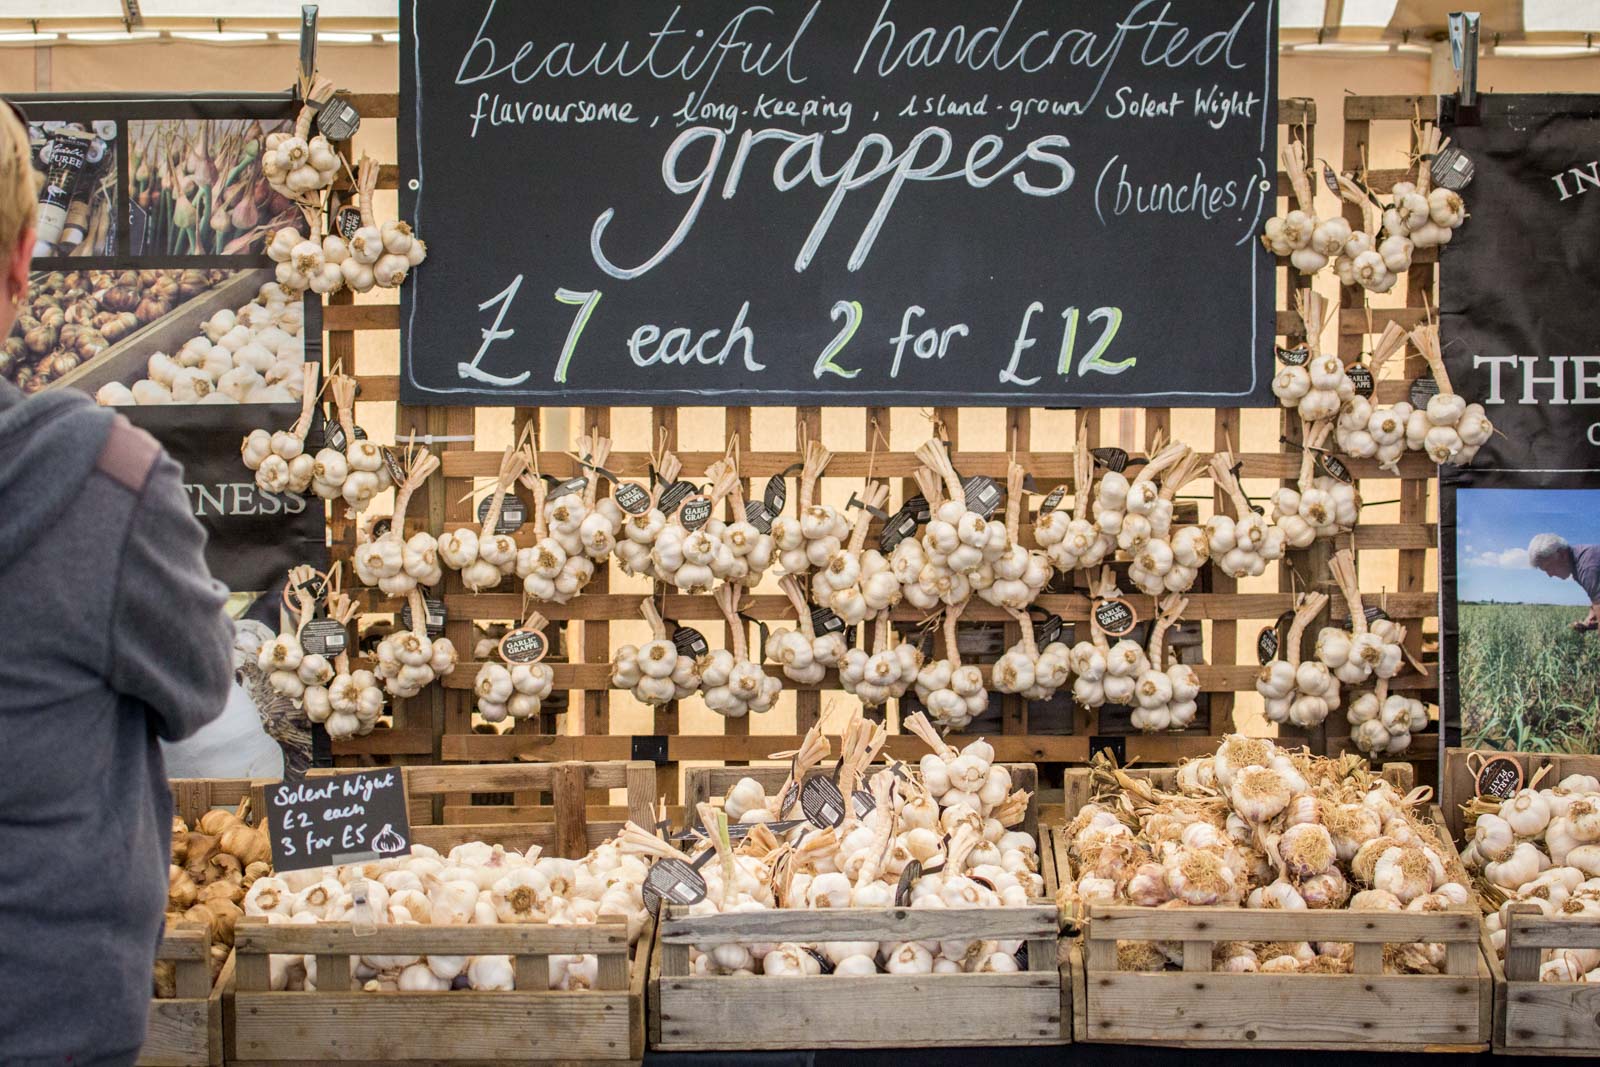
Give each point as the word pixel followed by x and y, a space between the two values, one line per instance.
pixel 19 190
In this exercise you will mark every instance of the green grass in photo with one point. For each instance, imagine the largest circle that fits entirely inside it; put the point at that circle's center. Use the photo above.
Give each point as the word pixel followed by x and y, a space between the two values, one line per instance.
pixel 1528 680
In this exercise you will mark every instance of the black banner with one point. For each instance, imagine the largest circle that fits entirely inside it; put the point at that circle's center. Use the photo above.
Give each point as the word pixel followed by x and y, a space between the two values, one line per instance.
pixel 1519 541
pixel 830 201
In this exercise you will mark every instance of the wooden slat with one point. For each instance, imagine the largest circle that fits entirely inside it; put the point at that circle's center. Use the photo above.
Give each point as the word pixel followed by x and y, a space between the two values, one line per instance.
pixel 253 937
pixel 1248 924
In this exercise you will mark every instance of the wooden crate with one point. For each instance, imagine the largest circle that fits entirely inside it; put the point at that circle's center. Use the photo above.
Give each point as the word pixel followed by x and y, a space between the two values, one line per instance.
pixel 1533 1017
pixel 463 1026
pixel 1448 1012
pixel 186 1030
pixel 701 784
pixel 605 1024
pixel 700 1013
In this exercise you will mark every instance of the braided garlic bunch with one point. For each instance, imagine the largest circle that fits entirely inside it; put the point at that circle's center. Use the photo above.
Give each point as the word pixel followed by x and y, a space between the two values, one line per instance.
pixel 655 672
pixel 953 694
pixel 1016 579
pixel 639 532
pixel 1322 507
pixel 1319 388
pixel 804 656
pixel 1366 430
pixel 731 684
pixel 957 539
pixel 806 539
pixel 279 459
pixel 409 660
pixel 517 690
pixel 1161 565
pixel 1166 697
pixel 1029 671
pixel 1073 541
pixel 1299 234
pixel 886 673
pixel 1241 546
pixel 1299 692
pixel 481 555
pixel 392 562
pixel 1124 508
pixel 841 583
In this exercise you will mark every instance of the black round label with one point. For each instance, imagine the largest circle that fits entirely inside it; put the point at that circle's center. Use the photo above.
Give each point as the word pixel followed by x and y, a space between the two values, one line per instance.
pixel 690 642
pixel 672 880
pixel 632 498
pixel 513 513
pixel 324 637
pixel 1115 617
pixel 1298 356
pixel 347 222
pixel 1267 645
pixel 1499 777
pixel 1361 377
pixel 695 513
pixel 523 646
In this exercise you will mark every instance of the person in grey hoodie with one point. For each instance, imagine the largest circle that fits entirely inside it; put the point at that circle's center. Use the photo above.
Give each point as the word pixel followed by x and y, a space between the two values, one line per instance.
pixel 112 635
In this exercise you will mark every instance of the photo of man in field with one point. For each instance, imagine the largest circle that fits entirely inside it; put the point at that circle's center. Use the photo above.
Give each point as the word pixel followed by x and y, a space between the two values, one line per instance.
pixel 1528 603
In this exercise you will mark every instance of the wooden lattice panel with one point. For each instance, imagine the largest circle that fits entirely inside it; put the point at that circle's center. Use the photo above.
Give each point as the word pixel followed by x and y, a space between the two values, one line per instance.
pixel 596 724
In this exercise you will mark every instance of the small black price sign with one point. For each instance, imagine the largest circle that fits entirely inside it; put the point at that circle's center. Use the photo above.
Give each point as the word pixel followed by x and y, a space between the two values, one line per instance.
pixel 1116 617
pixel 1361 378
pixel 1298 356
pixel 1453 169
pixel 559 489
pixel 825 621
pixel 864 804
pixel 1112 459
pixel 672 880
pixel 523 646
pixel 1267 645
pixel 338 120
pixel 1330 179
pixel 1052 500
pixel 1423 390
pixel 513 513
pixel 908 878
pixel 901 525
pixel 315 587
pixel 333 819
pixel 777 491
pixel 1375 613
pixel 397 467
pixel 1334 467
pixel 324 637
pixel 1499 777
pixel 822 961
pixel 1048 629
pixel 632 498
pixel 690 642
pixel 333 435
pixel 983 495
pixel 695 513
pixel 433 609
pixel 347 222
pixel 822 802
pixel 757 514
pixel 676 494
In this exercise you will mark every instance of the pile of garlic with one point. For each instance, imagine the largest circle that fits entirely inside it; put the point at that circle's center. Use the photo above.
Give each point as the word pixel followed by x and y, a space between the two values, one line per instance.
pixel 249 356
pixel 655 672
pixel 1541 848
pixel 959 836
pixel 1074 540
pixel 279 458
pixel 212 866
pixel 953 693
pixel 1266 828
pixel 475 884
pixel 409 660
pixel 1301 692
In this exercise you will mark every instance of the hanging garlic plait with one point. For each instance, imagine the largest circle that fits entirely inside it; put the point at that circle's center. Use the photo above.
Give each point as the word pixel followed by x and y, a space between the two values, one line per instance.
pixel 807 538
pixel 1299 692
pixel 1172 564
pixel 1029 671
pixel 482 555
pixel 1428 217
pixel 409 660
pixel 655 672
pixel 298 164
pixel 746 552
pixel 684 558
pixel 384 252
pixel 360 471
pixel 510 689
pixel 1123 507
pixel 639 532
pixel 1357 654
pixel 1089 658
pixel 281 658
pixel 1020 574
pixel 887 672
pixel 957 539
pixel 1383 721
pixel 840 583
pixel 1319 388
pixel 350 703
pixel 953 694
pixel 731 684
pixel 392 562
pixel 1449 429
pixel 926 580
pixel 1374 263
pixel 1241 546
pixel 1322 507
pixel 601 524
pixel 542 566
pixel 1073 541
pixel 803 655
pixel 1366 430
pixel 279 458
pixel 1298 234
pixel 1165 697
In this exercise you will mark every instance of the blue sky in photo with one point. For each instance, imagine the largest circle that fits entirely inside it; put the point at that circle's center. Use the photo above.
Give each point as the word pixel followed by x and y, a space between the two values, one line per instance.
pixel 1493 528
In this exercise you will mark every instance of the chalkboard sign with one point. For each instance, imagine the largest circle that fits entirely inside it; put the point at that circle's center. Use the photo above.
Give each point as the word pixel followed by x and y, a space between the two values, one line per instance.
pixel 344 818
pixel 940 202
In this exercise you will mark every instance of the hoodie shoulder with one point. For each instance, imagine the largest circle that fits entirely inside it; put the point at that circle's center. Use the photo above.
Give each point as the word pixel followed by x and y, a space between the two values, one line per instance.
pixel 129 455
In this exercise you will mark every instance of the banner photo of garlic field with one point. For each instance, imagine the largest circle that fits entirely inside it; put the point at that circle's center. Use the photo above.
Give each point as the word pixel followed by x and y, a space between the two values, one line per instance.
pixel 1522 609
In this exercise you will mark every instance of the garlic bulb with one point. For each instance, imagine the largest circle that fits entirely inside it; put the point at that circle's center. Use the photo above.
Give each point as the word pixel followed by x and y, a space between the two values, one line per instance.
pixel 279 459
pixel 1165 697
pixel 887 673
pixel 1302 693
pixel 1292 234
pixel 392 562
pixel 483 555
pixel 730 683
pixel 655 672
pixel 953 694
pixel 1073 541
pixel 803 655
pixel 1241 546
